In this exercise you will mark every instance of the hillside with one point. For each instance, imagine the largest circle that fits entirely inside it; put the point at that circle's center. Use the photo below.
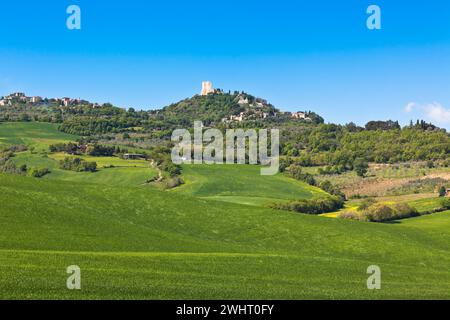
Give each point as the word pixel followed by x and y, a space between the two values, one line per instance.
pixel 208 251
pixel 212 237
pixel 216 108
pixel 242 184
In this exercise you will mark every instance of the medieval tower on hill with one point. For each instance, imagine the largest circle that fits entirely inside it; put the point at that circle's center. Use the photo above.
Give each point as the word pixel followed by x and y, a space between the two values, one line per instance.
pixel 207 88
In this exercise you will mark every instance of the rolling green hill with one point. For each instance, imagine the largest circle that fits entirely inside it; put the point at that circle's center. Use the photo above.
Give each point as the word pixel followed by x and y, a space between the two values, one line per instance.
pixel 134 241
pixel 142 243
pixel 40 136
pixel 37 134
pixel 242 184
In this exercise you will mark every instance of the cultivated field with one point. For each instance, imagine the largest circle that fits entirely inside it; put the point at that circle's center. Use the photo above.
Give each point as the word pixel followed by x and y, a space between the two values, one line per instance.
pixel 242 184
pixel 211 238
pixel 143 243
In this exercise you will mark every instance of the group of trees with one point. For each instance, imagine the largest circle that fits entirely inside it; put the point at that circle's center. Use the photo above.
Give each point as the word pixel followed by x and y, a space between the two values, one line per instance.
pixel 371 211
pixel 380 212
pixel 312 206
pixel 442 191
pixel 10 167
pixel 294 169
pixel 78 165
pixel 335 145
pixel 7 165
pixel 89 126
pixel 39 173
pixel 313 143
pixel 95 150
pixel 162 159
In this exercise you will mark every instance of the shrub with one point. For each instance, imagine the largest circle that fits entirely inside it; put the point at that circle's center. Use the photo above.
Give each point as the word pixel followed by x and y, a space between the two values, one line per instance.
pixel 173 182
pixel 445 203
pixel 99 150
pixel 39 173
pixel 18 148
pixel 328 170
pixel 379 213
pixel 366 203
pixel 327 186
pixel 77 164
pixel 442 191
pixel 313 206
pixel 296 173
pixel 358 196
pixel 10 167
pixel 361 167
pixel 171 168
pixel 404 210
pixel 351 215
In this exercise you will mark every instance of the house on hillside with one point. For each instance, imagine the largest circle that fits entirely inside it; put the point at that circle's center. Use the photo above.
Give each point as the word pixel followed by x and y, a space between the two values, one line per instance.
pixel 66 101
pixel 35 99
pixel 300 115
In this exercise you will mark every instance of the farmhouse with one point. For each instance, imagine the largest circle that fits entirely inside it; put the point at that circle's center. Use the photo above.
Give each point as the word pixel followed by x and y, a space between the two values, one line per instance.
pixel 300 115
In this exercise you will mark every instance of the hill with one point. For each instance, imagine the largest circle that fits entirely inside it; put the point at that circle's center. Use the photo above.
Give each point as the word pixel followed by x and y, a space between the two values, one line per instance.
pixel 39 136
pixel 142 243
pixel 242 184
pixel 135 241
pixel 212 109
pixel 36 134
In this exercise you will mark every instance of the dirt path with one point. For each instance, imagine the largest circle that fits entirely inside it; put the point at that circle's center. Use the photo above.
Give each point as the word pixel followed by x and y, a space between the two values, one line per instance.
pixel 160 176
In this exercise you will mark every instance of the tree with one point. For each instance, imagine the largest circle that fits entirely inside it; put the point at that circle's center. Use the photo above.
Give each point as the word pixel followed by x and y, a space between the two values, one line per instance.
pixel 361 167
pixel 442 191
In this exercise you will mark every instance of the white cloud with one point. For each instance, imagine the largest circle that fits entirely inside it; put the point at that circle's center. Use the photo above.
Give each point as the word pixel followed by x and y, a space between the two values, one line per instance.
pixel 409 107
pixel 434 112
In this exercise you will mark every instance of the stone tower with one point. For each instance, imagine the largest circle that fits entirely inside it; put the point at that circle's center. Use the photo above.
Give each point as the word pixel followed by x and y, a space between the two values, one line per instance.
pixel 207 87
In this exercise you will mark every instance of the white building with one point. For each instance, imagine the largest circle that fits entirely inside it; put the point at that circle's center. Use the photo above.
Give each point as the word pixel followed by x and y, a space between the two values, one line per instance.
pixel 35 99
pixel 207 88
pixel 299 115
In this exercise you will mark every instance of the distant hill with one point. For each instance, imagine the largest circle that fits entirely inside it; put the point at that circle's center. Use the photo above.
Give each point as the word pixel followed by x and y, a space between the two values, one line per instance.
pixel 218 107
pixel 85 118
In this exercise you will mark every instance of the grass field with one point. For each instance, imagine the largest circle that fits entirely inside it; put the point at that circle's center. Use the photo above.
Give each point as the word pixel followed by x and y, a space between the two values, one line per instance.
pixel 39 136
pixel 242 184
pixel 137 242
pixel 142 243
pixel 105 161
pixel 35 134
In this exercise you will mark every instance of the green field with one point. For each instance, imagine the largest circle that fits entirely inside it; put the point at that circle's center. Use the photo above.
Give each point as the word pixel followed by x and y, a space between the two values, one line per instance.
pixel 242 184
pixel 103 162
pixel 39 136
pixel 35 134
pixel 143 243
pixel 133 241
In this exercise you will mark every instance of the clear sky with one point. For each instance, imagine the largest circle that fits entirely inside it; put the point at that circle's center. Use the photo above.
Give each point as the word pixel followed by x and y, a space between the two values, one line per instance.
pixel 315 55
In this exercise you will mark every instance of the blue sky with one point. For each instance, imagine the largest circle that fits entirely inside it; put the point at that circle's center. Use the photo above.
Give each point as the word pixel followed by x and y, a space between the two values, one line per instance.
pixel 314 55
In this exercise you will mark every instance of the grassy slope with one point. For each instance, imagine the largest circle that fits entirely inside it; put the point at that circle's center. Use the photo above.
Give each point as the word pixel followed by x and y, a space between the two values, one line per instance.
pixel 242 184
pixel 42 135
pixel 141 243
pixel 135 242
pixel 38 135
